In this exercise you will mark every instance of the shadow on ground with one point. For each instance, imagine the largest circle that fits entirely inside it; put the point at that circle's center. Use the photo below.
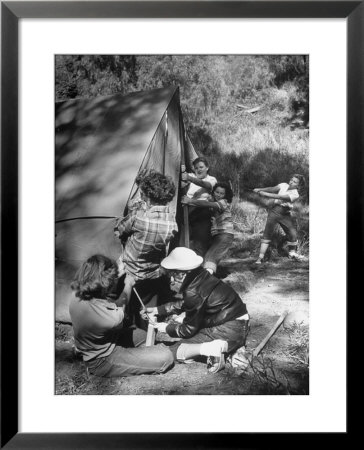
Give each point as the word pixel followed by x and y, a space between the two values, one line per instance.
pixel 280 369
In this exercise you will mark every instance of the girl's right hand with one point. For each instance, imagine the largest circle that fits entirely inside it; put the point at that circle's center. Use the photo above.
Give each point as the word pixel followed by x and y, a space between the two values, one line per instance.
pixel 149 314
pixel 257 189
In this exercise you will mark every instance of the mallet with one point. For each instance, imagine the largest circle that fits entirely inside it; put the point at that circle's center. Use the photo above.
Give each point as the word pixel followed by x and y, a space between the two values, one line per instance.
pixel 279 322
pixel 151 330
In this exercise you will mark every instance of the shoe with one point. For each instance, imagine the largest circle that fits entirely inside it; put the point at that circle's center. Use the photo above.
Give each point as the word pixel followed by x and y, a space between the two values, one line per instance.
pixel 246 329
pixel 216 360
pixel 238 360
pixel 258 262
pixel 294 255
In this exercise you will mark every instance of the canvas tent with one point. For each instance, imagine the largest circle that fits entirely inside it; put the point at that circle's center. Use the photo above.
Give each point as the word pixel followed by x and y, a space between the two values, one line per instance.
pixel 100 145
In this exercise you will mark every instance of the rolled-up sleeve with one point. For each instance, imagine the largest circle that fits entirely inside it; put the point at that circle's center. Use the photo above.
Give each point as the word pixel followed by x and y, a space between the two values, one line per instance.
pixel 125 226
pixel 293 195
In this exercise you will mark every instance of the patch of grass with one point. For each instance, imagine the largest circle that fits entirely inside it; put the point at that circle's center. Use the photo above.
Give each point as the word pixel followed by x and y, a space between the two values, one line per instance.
pixel 298 346
pixel 249 220
pixel 73 384
pixel 63 332
pixel 264 378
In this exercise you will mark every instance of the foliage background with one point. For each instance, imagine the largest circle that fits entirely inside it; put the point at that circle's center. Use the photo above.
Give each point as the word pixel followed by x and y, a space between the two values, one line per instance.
pixel 249 115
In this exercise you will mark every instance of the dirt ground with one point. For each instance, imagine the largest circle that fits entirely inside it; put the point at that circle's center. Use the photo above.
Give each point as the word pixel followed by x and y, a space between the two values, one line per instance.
pixel 282 368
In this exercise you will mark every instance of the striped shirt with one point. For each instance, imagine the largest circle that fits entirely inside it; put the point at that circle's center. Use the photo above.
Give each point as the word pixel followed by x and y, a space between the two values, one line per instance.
pixel 148 232
pixel 222 221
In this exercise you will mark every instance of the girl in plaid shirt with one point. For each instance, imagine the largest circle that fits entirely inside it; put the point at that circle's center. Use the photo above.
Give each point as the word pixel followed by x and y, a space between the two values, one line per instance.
pixel 145 234
pixel 222 230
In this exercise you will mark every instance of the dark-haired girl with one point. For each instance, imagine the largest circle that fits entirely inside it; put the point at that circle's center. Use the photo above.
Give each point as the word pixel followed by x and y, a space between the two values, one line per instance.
pixel 97 313
pixel 284 194
pixel 222 230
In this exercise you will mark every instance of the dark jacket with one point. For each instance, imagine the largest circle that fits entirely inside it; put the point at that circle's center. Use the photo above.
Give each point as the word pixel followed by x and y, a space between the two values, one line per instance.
pixel 207 302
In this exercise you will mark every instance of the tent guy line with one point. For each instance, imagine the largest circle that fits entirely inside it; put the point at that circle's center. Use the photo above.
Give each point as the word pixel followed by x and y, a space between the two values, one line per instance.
pixel 86 217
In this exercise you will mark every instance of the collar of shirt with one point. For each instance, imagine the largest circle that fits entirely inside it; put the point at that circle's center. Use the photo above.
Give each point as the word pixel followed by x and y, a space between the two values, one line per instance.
pixel 103 301
pixel 158 208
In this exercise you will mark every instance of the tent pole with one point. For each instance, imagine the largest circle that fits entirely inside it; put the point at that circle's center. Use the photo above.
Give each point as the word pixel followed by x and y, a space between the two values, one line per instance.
pixel 186 226
pixel 186 231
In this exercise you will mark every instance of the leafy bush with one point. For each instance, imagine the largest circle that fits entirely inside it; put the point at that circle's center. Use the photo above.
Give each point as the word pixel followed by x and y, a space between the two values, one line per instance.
pixel 247 114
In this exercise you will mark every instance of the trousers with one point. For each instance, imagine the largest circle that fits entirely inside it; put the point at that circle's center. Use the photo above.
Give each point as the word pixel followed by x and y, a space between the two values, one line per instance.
pixel 279 215
pixel 234 332
pixel 220 245
pixel 131 357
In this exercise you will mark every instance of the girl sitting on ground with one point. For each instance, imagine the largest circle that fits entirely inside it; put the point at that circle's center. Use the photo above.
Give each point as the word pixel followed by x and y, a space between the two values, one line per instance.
pixel 284 195
pixel 97 313
pixel 222 230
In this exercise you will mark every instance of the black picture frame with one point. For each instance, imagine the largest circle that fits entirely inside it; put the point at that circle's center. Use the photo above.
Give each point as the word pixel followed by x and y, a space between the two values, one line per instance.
pixel 11 12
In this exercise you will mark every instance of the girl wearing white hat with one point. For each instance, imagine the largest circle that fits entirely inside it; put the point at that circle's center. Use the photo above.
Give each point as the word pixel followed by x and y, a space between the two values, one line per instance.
pixel 216 320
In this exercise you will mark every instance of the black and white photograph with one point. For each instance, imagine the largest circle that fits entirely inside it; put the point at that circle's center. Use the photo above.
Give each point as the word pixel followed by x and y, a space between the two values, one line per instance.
pixel 182 238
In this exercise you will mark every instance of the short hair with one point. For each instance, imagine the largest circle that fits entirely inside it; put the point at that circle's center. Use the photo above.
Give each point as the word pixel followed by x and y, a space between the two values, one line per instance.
pixel 96 278
pixel 200 159
pixel 228 191
pixel 156 186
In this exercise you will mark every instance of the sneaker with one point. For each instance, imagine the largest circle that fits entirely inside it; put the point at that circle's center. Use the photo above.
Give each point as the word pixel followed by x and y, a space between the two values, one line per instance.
pixel 258 262
pixel 238 360
pixel 216 359
pixel 294 255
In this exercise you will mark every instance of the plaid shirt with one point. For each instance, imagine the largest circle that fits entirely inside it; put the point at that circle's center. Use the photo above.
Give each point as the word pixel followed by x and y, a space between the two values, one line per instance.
pixel 148 232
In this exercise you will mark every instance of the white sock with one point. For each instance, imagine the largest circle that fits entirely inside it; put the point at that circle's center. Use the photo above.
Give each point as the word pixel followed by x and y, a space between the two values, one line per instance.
pixel 212 348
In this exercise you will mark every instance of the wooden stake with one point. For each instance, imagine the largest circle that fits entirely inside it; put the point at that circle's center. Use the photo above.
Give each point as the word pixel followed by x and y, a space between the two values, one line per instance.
pixel 279 322
pixel 150 336
pixel 151 330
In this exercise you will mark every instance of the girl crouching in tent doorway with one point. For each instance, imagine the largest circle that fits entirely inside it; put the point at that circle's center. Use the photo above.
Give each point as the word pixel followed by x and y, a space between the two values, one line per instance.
pixel 216 321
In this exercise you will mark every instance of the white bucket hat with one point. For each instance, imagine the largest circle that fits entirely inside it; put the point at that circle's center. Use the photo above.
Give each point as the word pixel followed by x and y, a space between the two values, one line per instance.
pixel 182 258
